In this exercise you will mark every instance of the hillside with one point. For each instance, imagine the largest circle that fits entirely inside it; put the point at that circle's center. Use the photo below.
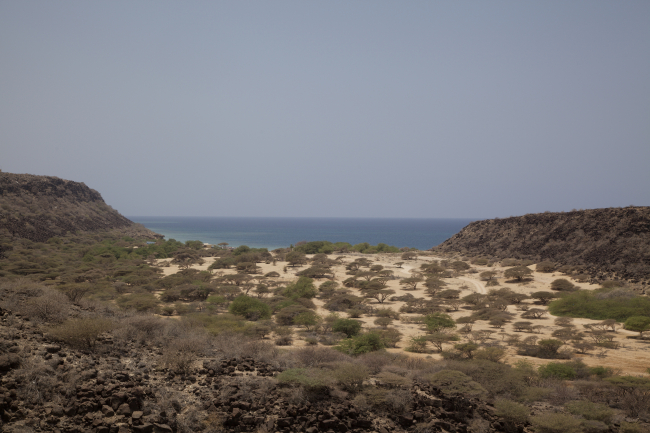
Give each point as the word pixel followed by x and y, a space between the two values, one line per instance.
pixel 609 243
pixel 40 207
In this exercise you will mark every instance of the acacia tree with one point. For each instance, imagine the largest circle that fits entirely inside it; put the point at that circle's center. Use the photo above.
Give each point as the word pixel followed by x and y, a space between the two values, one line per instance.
pixel 438 338
pixel 186 258
pixel 409 255
pixel 543 296
pixel 487 275
pixel 295 258
pixel 459 266
pixel 638 324
pixel 411 283
pixel 563 284
pixel 380 295
pixel 518 272
pixel 438 321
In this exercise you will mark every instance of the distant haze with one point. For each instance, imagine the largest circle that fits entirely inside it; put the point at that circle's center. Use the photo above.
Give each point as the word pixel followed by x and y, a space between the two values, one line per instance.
pixel 418 109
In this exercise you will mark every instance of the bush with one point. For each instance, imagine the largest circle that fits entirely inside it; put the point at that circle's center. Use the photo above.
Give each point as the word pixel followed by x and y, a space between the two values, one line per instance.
pixel 556 423
pixel 51 306
pixel 557 370
pixel 350 376
pixel 303 288
pixel 630 427
pixel 286 315
pixel 142 302
pixel 437 321
pixel 360 344
pixel 513 414
pixel 312 379
pixel 349 327
pixel 562 284
pixel 545 267
pixel 180 355
pixel 548 348
pixel 309 319
pixel 222 323
pixel 499 379
pixel 81 333
pixel 452 382
pixel 638 324
pixel 250 308
pixel 598 305
pixel 589 410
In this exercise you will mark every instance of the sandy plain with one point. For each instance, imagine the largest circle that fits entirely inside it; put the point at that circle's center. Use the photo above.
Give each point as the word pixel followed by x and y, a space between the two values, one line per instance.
pixel 632 356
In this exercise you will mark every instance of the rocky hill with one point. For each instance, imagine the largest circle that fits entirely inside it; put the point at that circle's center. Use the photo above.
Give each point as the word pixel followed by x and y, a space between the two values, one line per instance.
pixel 609 243
pixel 41 207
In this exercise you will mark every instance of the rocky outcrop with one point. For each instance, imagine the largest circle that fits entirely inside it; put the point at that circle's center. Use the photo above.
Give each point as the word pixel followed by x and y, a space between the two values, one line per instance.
pixel 41 207
pixel 610 243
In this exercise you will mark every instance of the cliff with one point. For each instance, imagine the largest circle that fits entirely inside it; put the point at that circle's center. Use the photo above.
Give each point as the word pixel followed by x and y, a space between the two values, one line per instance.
pixel 610 243
pixel 40 207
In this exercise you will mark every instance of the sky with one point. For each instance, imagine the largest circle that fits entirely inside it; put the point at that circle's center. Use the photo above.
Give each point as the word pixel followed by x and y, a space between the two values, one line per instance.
pixel 418 109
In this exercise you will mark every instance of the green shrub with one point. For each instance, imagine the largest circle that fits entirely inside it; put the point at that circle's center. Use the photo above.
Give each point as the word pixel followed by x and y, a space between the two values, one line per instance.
pixel 349 327
pixel 360 344
pixel 512 413
pixel 313 379
pixel 81 333
pixel 222 323
pixel 599 305
pixel 499 379
pixel 437 321
pixel 417 345
pixel 557 370
pixel 601 372
pixel 452 382
pixel 250 308
pixel 309 319
pixel 303 288
pixel 545 267
pixel 630 427
pixel 493 354
pixel 142 302
pixel 562 284
pixel 548 348
pixel 556 423
pixel 589 410
pixel 638 324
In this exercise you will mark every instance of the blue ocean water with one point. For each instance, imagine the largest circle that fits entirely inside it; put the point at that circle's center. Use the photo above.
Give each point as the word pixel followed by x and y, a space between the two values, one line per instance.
pixel 274 233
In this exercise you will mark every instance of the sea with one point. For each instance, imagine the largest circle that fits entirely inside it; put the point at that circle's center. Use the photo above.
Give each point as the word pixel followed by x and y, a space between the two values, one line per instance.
pixel 272 233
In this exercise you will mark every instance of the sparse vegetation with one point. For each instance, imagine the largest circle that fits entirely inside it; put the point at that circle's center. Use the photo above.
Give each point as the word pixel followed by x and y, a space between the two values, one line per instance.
pixel 79 342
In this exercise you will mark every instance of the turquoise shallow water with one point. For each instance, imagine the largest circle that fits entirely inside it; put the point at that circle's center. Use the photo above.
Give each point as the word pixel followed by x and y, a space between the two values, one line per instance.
pixel 274 233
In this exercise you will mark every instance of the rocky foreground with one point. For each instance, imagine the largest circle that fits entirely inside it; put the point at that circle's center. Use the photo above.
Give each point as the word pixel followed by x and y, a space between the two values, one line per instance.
pixel 47 387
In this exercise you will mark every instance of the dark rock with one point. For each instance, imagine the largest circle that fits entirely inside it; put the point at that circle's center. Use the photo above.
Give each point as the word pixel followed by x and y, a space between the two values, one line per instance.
pixel 57 411
pixel 52 348
pixel 9 361
pixel 124 409
pixel 162 428
pixel 144 428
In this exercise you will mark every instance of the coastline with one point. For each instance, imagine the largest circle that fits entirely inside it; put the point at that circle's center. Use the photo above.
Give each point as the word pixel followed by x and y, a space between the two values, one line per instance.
pixel 280 232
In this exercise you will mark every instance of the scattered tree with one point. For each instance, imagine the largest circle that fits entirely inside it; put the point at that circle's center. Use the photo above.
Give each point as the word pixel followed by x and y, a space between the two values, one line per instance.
pixel 518 273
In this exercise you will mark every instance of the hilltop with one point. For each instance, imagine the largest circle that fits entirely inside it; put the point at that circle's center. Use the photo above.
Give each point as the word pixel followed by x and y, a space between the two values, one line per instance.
pixel 41 207
pixel 609 243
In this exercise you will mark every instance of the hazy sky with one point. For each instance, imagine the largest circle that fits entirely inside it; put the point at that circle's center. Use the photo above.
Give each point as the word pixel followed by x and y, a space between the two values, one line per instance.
pixel 334 108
